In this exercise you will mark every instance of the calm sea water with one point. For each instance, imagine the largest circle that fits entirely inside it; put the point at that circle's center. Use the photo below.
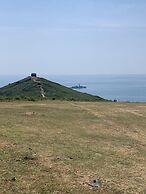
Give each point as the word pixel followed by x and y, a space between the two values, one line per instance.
pixel 121 87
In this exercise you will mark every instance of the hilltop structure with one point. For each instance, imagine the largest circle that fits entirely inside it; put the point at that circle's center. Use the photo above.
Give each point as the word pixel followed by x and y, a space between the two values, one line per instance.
pixel 33 75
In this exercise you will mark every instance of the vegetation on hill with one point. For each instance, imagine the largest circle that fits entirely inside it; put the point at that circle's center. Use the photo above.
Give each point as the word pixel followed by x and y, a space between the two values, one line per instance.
pixel 39 88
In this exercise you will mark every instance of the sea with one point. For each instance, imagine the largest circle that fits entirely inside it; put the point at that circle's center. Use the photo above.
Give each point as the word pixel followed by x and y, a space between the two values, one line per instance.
pixel 124 88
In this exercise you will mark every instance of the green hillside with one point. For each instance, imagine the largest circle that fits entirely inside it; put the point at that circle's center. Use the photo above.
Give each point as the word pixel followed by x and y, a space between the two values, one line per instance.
pixel 40 88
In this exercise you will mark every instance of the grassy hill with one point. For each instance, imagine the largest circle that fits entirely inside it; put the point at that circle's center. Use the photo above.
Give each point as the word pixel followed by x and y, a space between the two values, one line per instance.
pixel 50 147
pixel 38 88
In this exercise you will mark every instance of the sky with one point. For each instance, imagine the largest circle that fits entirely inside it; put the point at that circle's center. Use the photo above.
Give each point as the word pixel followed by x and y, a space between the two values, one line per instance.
pixel 64 37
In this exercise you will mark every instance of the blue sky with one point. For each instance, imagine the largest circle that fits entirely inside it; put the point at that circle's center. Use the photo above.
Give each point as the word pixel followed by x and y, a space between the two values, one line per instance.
pixel 73 36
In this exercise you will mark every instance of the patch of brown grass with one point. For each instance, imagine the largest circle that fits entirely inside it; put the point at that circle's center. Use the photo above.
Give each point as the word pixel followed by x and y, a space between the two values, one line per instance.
pixel 58 147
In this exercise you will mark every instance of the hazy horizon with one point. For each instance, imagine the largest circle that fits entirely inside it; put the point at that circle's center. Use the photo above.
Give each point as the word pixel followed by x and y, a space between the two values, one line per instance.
pixel 72 37
pixel 90 74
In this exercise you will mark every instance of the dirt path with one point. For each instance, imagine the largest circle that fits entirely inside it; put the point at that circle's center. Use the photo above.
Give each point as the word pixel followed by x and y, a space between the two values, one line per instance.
pixel 40 86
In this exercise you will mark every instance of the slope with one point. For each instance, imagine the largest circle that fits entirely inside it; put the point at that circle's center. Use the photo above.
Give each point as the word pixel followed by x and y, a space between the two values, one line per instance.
pixel 38 88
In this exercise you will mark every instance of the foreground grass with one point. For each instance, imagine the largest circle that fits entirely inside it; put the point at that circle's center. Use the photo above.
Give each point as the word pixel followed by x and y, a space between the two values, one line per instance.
pixel 58 147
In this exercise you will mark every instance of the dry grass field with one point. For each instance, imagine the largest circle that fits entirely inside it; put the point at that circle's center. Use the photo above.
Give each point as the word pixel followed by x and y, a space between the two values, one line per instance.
pixel 56 147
